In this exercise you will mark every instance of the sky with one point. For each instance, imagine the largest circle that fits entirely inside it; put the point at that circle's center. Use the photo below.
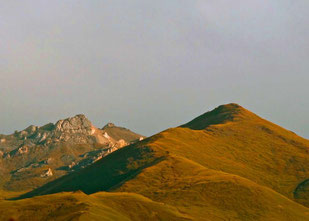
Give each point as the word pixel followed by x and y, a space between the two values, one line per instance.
pixel 151 65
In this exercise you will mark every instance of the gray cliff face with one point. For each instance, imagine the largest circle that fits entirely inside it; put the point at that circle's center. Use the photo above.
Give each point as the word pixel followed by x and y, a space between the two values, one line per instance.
pixel 77 124
pixel 77 129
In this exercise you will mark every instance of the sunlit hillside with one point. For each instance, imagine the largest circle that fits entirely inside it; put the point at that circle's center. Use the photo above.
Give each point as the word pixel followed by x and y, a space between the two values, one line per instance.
pixel 227 164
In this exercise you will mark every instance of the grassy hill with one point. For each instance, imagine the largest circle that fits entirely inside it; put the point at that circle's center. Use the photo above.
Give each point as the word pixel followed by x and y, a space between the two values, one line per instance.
pixel 226 164
pixel 78 206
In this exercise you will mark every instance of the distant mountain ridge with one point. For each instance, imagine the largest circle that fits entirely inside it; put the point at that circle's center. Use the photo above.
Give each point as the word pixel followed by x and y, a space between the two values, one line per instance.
pixel 36 155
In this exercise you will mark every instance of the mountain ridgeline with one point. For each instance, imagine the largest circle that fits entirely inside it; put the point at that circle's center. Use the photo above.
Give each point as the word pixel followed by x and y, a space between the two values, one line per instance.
pixel 227 164
pixel 37 155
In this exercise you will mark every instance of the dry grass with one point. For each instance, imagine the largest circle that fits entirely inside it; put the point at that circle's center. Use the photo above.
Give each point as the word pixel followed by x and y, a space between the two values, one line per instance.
pixel 201 192
pixel 79 206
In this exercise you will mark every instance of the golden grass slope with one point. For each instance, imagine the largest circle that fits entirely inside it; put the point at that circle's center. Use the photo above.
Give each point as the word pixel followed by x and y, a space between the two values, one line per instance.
pixel 206 194
pixel 227 164
pixel 173 189
pixel 248 146
pixel 79 206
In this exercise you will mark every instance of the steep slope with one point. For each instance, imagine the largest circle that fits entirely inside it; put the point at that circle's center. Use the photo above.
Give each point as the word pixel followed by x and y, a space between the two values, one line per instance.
pixel 36 155
pixel 226 164
pixel 246 145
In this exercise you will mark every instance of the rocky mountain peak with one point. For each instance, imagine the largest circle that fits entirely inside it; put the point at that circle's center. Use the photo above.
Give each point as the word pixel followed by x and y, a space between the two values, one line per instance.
pixel 74 129
pixel 78 123
pixel 42 153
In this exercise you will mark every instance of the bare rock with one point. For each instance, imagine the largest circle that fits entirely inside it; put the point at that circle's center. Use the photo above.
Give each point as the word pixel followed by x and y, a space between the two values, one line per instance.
pixel 31 129
pixel 108 125
pixel 77 124
pixel 44 136
pixel 106 135
pixel 121 143
pixel 23 150
pixel 48 173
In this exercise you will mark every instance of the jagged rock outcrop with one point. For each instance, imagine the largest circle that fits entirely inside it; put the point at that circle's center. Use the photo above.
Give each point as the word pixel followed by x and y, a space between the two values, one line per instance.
pixel 75 129
pixel 68 145
pixel 48 173
pixel 77 124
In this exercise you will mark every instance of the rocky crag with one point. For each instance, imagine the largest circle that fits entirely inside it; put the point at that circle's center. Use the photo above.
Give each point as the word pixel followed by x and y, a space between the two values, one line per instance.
pixel 36 155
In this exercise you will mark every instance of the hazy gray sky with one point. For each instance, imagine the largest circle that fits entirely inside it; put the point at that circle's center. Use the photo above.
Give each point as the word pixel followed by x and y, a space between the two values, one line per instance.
pixel 150 65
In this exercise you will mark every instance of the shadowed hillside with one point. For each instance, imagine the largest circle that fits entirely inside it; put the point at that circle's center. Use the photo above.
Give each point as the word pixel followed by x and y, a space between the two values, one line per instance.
pixel 227 163
pixel 301 193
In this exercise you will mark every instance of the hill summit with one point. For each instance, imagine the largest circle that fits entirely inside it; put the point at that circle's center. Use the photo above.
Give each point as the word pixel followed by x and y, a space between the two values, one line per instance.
pixel 220 115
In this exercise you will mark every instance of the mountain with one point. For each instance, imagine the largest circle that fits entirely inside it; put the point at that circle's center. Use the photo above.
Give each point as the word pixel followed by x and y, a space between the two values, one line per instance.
pixel 119 133
pixel 227 164
pixel 37 155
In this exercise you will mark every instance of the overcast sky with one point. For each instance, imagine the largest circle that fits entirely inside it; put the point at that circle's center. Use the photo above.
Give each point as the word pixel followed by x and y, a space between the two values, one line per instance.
pixel 150 65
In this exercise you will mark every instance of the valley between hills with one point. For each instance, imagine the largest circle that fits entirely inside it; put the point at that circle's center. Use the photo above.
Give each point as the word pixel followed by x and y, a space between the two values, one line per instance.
pixel 227 164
